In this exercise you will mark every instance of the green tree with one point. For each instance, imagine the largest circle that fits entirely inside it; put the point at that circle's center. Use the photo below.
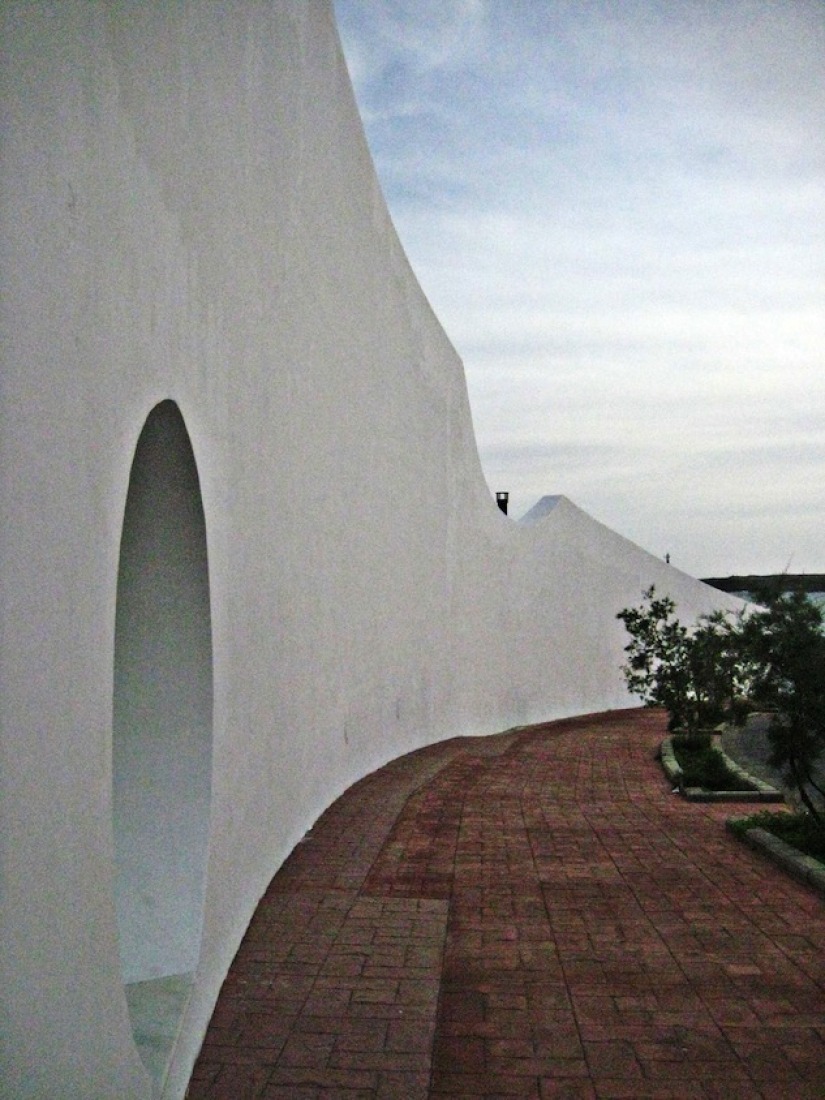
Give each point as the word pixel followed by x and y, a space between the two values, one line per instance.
pixel 695 674
pixel 785 645
pixel 774 655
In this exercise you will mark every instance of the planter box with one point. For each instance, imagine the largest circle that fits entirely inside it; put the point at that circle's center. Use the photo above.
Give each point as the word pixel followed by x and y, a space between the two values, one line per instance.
pixel 758 790
pixel 803 868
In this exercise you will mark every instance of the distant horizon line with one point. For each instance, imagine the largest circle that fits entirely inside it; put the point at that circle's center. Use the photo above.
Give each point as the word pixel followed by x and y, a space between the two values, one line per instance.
pixel 745 582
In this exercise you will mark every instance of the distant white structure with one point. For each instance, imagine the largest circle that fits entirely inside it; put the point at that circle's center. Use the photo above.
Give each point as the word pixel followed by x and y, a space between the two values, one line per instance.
pixel 248 553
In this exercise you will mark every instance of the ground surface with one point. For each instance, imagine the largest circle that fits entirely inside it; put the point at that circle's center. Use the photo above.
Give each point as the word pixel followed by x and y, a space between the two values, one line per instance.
pixel 749 746
pixel 529 915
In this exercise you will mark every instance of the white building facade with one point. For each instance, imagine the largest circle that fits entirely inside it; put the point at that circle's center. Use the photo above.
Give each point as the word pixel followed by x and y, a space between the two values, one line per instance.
pixel 248 552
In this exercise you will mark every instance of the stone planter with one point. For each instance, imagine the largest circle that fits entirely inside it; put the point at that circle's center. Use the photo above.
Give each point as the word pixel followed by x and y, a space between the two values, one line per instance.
pixel 758 790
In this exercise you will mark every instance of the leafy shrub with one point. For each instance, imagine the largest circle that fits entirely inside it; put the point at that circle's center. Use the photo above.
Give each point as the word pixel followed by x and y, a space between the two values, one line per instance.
pixel 774 657
pixel 696 675
pixel 786 646
pixel 704 766
pixel 799 830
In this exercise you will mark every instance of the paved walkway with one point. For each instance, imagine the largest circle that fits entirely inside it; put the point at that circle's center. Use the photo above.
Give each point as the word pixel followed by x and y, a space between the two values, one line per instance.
pixel 528 915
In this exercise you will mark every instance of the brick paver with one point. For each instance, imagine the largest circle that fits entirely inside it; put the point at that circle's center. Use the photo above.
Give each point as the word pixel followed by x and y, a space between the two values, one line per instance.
pixel 528 915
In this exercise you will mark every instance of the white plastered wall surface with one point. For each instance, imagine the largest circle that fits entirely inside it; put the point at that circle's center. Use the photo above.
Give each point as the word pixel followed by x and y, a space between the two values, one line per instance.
pixel 190 215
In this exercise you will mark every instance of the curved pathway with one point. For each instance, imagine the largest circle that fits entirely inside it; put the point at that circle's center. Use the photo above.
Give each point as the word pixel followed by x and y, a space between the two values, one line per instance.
pixel 528 915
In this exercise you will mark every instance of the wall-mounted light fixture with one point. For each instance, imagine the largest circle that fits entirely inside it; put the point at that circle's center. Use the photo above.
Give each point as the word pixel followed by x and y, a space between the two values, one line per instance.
pixel 501 501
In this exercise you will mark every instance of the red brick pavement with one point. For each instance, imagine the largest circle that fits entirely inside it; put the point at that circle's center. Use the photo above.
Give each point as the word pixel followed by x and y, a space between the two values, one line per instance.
pixel 528 915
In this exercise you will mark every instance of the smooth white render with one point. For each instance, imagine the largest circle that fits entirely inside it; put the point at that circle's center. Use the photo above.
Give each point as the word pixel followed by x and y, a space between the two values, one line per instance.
pixel 191 216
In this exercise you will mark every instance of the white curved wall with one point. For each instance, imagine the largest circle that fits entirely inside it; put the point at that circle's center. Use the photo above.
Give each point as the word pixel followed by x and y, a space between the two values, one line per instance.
pixel 190 214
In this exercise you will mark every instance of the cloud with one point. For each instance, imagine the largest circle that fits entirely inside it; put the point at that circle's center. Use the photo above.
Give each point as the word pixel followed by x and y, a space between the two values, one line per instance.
pixel 618 214
pixel 397 50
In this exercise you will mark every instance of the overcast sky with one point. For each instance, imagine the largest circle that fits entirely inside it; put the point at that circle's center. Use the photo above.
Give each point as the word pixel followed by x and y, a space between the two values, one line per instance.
pixel 617 211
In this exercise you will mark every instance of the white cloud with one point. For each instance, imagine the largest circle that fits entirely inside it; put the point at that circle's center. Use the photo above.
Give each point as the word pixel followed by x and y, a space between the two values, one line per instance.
pixel 618 213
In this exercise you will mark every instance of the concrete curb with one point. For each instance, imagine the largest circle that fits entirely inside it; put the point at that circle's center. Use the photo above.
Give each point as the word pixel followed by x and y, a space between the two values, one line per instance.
pixel 760 791
pixel 803 868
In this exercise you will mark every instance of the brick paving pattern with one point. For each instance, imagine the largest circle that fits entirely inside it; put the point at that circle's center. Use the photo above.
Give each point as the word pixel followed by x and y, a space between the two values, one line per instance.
pixel 528 915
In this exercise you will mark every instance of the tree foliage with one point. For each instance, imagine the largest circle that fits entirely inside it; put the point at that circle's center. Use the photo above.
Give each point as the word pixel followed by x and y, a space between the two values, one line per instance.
pixel 786 645
pixel 695 674
pixel 774 655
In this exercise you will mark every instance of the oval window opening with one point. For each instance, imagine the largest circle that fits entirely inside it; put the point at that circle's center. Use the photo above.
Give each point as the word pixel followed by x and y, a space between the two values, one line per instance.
pixel 162 731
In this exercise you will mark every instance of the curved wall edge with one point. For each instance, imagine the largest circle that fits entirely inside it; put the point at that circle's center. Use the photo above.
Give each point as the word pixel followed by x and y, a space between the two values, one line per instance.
pixel 190 213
